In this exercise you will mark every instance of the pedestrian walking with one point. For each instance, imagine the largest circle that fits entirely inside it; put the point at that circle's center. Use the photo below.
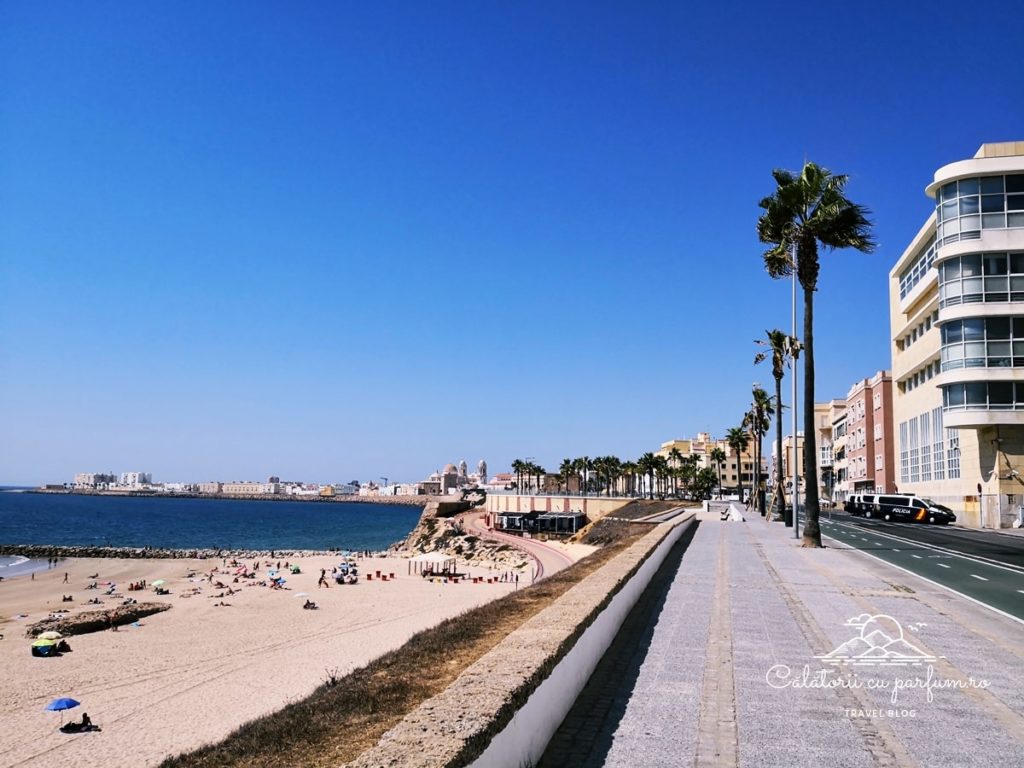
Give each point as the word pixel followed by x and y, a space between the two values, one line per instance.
pixel 65 577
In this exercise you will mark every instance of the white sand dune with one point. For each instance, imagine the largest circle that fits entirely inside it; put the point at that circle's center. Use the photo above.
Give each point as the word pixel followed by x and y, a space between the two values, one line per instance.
pixel 192 674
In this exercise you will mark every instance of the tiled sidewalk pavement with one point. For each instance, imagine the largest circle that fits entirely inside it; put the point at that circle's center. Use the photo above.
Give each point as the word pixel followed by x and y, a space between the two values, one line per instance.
pixel 686 683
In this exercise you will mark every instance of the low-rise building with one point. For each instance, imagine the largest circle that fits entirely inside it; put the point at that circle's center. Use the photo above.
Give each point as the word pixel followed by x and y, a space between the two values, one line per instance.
pixel 247 488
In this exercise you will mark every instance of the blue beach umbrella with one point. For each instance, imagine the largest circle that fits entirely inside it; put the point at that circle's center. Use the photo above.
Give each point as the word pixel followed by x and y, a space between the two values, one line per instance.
pixel 59 705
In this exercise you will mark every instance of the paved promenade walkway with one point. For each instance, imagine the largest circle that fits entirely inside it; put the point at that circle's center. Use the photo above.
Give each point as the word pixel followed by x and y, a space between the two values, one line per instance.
pixel 547 559
pixel 687 681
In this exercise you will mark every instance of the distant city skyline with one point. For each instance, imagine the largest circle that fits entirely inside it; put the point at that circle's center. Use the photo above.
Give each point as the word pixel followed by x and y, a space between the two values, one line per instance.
pixel 332 243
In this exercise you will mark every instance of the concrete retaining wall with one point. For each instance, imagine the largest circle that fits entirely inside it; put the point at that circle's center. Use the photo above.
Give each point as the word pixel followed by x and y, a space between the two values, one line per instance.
pixel 503 709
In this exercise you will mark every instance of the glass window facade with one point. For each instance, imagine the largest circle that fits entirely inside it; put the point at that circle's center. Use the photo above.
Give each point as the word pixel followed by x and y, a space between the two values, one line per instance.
pixel 926 452
pixel 981 277
pixel 953 454
pixel 983 342
pixel 965 207
pixel 913 274
pixel 984 396
pixel 938 450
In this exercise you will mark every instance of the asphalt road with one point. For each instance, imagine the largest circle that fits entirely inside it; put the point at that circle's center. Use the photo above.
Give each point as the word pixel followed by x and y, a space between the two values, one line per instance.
pixel 985 566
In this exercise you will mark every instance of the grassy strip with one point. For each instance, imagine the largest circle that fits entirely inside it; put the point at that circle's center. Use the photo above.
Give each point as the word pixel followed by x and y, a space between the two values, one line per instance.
pixel 345 716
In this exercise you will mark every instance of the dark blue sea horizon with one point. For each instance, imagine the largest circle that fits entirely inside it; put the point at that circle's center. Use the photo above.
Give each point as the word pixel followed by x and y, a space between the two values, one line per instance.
pixel 190 523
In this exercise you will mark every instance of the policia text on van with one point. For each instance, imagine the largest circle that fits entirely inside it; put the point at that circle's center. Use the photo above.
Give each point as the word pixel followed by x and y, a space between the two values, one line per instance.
pixel 901 507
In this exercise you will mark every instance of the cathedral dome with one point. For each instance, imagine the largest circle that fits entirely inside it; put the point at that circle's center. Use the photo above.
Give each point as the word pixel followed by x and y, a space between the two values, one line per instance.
pixel 449 469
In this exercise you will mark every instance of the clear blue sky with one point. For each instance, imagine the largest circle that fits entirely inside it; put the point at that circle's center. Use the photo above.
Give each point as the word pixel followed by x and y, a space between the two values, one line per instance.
pixel 334 240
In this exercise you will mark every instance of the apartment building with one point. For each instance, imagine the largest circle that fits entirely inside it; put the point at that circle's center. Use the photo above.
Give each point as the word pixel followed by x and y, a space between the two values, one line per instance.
pixel 824 414
pixel 956 299
pixel 837 419
pixel 869 440
pixel 735 468
pixel 136 479
pixel 95 480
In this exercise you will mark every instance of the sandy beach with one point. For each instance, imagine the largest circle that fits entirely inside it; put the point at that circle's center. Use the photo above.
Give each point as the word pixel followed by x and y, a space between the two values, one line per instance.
pixel 192 674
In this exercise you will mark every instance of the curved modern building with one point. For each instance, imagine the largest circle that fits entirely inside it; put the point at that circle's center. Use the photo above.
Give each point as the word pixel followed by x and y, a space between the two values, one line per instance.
pixel 957 319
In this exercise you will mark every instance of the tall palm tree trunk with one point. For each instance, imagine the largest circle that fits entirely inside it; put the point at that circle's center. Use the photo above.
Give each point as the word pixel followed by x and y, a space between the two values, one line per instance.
pixel 812 532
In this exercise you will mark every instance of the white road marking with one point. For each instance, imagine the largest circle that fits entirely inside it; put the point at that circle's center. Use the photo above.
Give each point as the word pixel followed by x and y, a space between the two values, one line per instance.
pixel 918 557
pixel 935 548
pixel 942 565
pixel 980 578
pixel 942 586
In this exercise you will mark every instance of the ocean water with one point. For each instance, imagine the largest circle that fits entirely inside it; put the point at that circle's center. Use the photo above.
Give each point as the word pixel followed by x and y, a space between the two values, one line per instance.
pixel 170 523
pixel 12 565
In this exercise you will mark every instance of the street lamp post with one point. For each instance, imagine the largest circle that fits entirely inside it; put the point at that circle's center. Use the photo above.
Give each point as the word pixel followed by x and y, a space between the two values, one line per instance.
pixel 796 462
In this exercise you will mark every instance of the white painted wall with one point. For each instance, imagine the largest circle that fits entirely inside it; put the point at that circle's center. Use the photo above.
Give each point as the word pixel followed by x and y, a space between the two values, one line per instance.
pixel 525 738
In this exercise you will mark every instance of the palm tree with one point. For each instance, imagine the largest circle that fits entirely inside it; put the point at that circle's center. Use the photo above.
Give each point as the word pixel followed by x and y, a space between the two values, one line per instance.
pixel 584 466
pixel 805 211
pixel 647 466
pixel 629 471
pixel 783 349
pixel 688 472
pixel 677 463
pixel 534 472
pixel 761 412
pixel 661 469
pixel 738 441
pixel 564 471
pixel 613 467
pixel 517 467
pixel 718 458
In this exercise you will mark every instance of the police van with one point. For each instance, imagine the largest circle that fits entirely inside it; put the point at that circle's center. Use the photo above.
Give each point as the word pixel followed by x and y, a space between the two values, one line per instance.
pixel 908 508
pixel 860 504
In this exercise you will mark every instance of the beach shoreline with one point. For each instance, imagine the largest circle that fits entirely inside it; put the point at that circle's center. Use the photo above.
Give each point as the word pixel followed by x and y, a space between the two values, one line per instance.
pixel 81 551
pixel 192 674
pixel 21 567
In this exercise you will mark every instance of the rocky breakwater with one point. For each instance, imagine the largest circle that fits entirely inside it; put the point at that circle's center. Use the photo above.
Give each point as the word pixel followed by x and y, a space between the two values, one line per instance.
pixel 440 530
pixel 94 621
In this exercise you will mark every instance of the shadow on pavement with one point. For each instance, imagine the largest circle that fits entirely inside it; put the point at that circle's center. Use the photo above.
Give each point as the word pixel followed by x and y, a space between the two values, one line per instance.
pixel 585 736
